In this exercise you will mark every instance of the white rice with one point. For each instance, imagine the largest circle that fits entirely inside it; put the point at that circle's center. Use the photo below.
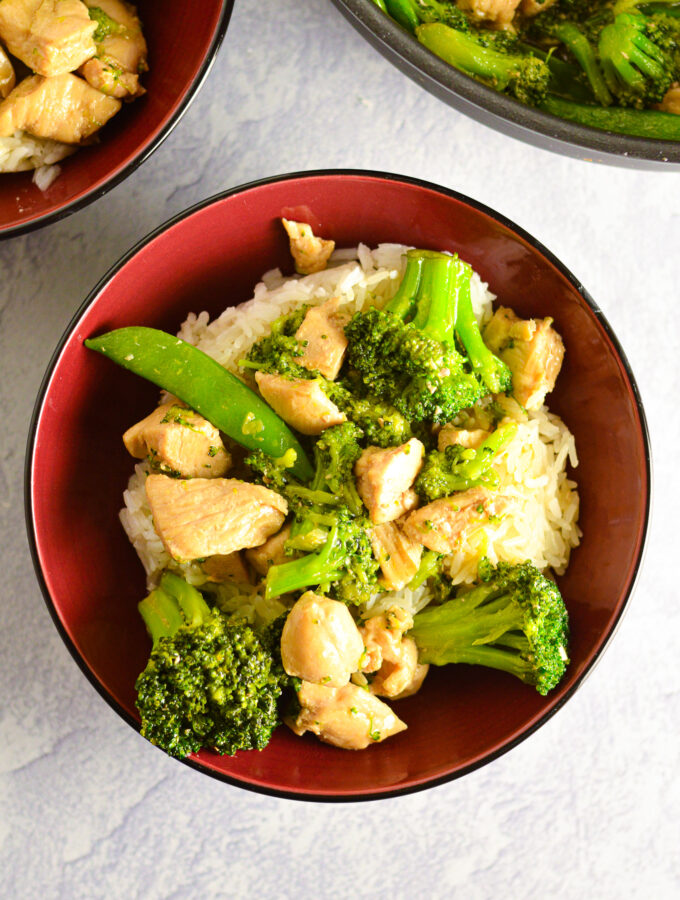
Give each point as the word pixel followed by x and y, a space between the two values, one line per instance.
pixel 22 152
pixel 542 523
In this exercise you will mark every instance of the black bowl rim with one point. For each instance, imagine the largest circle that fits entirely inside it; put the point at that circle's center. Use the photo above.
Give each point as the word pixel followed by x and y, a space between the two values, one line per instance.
pixel 95 193
pixel 92 296
pixel 498 110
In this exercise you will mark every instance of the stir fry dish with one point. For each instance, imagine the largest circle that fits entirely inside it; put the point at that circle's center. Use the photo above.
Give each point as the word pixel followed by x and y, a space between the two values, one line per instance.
pixel 349 479
pixel 66 68
pixel 609 64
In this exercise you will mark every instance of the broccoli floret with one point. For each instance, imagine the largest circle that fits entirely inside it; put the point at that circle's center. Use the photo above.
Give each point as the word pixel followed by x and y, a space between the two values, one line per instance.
pixel 520 73
pixel 277 352
pixel 638 70
pixel 381 424
pixel 457 468
pixel 514 620
pixel 208 684
pixel 406 353
pixel 411 13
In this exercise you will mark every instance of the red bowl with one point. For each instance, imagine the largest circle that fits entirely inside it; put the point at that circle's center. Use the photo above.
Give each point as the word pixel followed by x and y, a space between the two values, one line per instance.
pixel 211 257
pixel 182 46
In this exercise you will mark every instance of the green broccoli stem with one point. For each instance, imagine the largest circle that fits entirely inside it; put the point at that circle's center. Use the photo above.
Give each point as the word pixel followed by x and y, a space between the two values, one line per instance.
pixel 324 566
pixel 575 40
pixel 170 606
pixel 435 313
pixel 491 370
pixel 403 12
pixel 645 123
pixel 473 469
pixel 463 52
pixel 430 564
pixel 564 76
pixel 403 302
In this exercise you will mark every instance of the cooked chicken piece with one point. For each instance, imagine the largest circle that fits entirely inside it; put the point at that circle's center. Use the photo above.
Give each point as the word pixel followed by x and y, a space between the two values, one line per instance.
pixel 398 555
pixel 64 108
pixel 348 717
pixel 451 434
pixel 320 641
pixel 532 8
pixel 385 476
pixel 121 54
pixel 531 348
pixel 178 440
pixel 391 655
pixel 212 516
pixel 444 524
pixel 310 253
pixel 51 36
pixel 323 331
pixel 499 12
pixel 299 402
pixel 226 568
pixel 271 553
pixel 671 100
pixel 7 76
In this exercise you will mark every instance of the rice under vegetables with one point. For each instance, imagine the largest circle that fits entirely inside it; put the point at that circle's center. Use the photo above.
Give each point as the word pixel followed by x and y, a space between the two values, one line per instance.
pixel 542 524
pixel 22 152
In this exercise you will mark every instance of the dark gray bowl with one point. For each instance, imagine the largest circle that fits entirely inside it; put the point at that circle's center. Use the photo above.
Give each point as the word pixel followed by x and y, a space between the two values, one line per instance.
pixel 499 111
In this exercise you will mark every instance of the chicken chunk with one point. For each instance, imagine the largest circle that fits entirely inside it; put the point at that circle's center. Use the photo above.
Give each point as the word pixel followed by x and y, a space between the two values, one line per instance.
pixel 531 348
pixel 398 555
pixel 320 641
pixel 499 12
pixel 310 253
pixel 7 76
pixel 671 100
pixel 226 568
pixel 178 440
pixel 299 402
pixel 451 434
pixel 445 524
pixel 348 717
pixel 391 655
pixel 271 553
pixel 64 108
pixel 323 333
pixel 212 516
pixel 51 36
pixel 121 52
pixel 384 478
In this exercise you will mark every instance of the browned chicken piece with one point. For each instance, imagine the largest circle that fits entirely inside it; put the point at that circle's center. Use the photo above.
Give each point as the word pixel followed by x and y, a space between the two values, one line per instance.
pixel 7 76
pixel 121 55
pixel 531 348
pixel 532 8
pixel 323 331
pixel 444 524
pixel 320 641
pixel 385 476
pixel 391 655
pixel 300 402
pixel 51 36
pixel 499 12
pixel 178 441
pixel 398 555
pixel 310 253
pixel 271 553
pixel 671 100
pixel 470 439
pixel 212 516
pixel 348 717
pixel 64 108
pixel 226 568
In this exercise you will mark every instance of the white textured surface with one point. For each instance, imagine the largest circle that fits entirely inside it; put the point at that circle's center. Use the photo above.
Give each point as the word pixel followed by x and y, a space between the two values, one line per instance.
pixel 589 805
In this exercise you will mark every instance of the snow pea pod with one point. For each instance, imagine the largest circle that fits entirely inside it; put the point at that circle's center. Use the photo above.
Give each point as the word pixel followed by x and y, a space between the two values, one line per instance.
pixel 204 385
pixel 648 123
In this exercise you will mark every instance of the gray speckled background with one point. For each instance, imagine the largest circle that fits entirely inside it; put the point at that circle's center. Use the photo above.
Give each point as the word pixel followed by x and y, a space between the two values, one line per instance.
pixel 588 806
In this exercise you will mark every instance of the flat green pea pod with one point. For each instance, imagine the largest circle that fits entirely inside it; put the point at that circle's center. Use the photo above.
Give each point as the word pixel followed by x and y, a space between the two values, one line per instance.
pixel 402 11
pixel 204 385
pixel 647 123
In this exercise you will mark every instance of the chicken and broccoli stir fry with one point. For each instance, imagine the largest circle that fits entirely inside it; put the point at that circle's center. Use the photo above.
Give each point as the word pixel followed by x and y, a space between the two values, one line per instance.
pixel 330 490
pixel 66 68
pixel 610 64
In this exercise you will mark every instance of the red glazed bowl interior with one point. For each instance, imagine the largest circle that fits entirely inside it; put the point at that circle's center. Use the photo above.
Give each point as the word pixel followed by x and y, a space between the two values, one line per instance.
pixel 182 46
pixel 212 257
